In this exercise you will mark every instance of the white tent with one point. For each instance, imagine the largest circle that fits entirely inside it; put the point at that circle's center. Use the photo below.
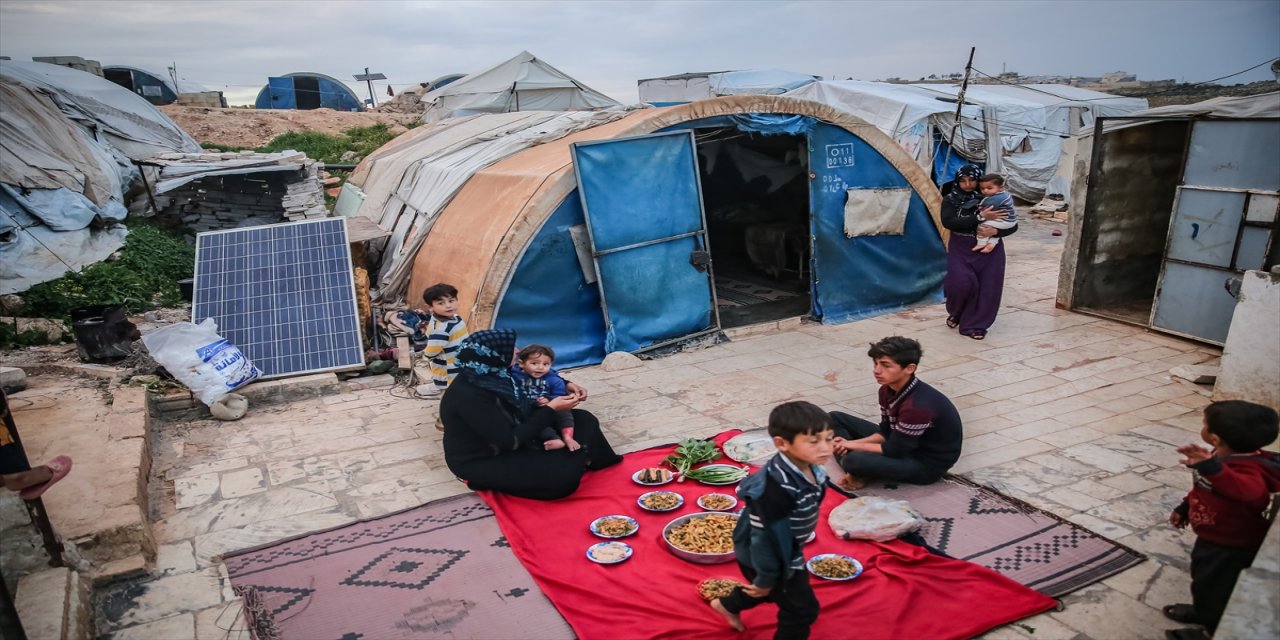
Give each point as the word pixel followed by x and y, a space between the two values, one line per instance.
pixel 523 83
pixel 687 87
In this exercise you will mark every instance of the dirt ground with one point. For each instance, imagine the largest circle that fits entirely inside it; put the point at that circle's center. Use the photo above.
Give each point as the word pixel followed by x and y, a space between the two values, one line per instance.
pixel 256 127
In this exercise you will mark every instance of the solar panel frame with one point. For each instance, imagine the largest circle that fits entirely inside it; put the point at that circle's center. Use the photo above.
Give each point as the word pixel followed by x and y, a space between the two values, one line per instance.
pixel 298 276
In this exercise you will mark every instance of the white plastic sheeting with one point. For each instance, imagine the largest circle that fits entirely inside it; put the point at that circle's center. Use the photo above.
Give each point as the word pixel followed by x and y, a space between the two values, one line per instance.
pixel 688 87
pixel 409 182
pixel 523 83
pixel 67 142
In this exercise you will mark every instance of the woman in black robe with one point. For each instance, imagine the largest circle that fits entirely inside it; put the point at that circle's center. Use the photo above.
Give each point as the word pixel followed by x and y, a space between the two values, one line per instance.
pixel 491 430
pixel 975 280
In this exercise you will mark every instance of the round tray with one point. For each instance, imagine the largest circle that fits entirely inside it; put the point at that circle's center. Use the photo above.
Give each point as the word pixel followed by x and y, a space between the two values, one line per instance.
pixel 595 526
pixel 626 548
pixel 679 501
pixel 857 566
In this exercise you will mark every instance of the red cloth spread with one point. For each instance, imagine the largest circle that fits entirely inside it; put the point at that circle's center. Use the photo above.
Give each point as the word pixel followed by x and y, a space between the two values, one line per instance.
pixel 903 592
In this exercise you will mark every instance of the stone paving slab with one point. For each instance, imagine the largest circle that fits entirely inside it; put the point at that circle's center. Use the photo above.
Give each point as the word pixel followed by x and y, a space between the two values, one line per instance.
pixel 1072 413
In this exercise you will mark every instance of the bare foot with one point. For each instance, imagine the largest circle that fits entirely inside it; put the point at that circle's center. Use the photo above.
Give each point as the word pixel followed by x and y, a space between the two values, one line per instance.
pixel 732 618
pixel 852 483
pixel 552 445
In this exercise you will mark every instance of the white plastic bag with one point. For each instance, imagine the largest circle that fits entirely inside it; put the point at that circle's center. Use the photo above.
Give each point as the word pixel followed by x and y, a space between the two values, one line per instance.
pixel 873 518
pixel 201 359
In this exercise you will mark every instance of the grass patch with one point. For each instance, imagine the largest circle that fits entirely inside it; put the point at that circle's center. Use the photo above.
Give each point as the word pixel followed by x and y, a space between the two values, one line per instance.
pixel 321 146
pixel 146 275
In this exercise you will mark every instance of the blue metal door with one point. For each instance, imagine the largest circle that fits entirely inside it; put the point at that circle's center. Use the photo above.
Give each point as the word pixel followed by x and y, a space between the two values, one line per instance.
pixel 281 93
pixel 643 207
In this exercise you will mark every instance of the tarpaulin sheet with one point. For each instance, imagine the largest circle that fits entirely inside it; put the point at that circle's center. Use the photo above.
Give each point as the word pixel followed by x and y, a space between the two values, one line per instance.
pixel 769 124
pixel 523 83
pixel 857 277
pixel 549 301
pixel 946 162
pixel 642 190
pixel 904 591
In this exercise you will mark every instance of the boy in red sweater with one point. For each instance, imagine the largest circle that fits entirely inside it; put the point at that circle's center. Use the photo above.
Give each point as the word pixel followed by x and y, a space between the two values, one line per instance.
pixel 1226 508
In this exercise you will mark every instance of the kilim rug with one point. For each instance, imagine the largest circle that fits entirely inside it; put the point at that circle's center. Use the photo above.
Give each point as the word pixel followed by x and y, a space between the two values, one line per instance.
pixel 442 570
pixel 1011 537
pixel 739 293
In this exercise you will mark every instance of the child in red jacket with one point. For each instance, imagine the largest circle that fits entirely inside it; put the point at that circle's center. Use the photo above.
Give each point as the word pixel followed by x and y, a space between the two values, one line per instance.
pixel 1227 507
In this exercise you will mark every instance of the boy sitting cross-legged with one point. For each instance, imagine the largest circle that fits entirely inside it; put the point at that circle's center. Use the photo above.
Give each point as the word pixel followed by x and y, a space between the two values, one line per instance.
pixel 782 501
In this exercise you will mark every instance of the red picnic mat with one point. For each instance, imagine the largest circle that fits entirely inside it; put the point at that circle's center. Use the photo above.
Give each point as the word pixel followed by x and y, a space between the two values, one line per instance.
pixel 903 592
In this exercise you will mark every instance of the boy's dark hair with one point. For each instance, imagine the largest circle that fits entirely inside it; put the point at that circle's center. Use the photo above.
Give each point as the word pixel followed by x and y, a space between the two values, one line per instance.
pixel 903 351
pixel 791 419
pixel 1243 426
pixel 536 350
pixel 439 291
pixel 993 178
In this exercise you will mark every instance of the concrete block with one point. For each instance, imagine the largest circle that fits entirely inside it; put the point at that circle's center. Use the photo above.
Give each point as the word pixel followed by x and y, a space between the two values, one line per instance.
pixel 370 382
pixel 42 601
pixel 13 379
pixel 121 426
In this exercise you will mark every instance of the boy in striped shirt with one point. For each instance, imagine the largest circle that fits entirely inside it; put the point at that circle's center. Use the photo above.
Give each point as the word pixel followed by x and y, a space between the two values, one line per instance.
pixel 445 331
pixel 782 501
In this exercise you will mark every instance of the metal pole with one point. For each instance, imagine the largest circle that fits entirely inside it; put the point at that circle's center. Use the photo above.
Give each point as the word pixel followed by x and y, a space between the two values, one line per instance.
pixel 372 99
pixel 968 67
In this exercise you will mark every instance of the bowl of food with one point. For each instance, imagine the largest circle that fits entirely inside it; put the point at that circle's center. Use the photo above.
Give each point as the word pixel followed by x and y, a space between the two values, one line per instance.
pixel 834 566
pixel 610 552
pixel 614 526
pixel 717 502
pixel 713 588
pixel 703 538
pixel 660 501
pixel 652 476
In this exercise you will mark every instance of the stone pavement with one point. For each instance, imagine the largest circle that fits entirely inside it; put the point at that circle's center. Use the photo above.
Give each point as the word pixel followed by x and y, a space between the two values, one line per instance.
pixel 1074 414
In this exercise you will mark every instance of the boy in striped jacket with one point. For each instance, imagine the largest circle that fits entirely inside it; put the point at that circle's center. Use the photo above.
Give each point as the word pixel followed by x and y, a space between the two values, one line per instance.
pixel 445 331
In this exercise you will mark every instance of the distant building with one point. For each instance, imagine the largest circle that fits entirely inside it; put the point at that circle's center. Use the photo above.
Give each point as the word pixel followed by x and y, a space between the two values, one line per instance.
pixel 1116 77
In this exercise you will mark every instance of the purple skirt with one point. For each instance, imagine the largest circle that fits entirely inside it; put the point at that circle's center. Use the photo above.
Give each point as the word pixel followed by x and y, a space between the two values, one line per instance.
pixel 974 284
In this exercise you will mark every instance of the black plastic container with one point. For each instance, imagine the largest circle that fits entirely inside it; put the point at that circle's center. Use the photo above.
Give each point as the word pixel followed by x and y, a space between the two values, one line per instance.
pixel 102 333
pixel 187 288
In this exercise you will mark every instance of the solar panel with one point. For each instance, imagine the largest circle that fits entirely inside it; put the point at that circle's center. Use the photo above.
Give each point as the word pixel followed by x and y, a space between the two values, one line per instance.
pixel 283 293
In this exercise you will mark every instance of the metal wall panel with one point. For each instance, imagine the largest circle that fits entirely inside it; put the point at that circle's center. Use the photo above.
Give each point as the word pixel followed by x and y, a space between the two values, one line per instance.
pixel 1193 301
pixel 1240 154
pixel 1204 226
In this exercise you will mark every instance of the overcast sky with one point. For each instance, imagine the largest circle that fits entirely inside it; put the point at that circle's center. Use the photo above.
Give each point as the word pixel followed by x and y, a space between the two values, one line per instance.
pixel 235 46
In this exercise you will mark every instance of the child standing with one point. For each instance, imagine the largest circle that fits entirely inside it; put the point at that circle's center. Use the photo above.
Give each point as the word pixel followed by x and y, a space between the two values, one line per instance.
pixel 1226 507
pixel 782 500
pixel 445 331
pixel 996 199
pixel 538 380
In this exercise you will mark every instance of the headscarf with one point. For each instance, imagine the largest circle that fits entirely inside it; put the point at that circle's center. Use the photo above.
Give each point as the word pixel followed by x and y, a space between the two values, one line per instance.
pixel 484 358
pixel 959 197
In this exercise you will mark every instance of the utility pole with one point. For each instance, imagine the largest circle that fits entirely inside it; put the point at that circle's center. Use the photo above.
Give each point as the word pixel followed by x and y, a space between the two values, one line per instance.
pixel 369 78
pixel 951 140
pixel 173 73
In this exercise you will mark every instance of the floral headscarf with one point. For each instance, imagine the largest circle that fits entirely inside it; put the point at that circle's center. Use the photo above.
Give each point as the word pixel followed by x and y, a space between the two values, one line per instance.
pixel 958 197
pixel 484 360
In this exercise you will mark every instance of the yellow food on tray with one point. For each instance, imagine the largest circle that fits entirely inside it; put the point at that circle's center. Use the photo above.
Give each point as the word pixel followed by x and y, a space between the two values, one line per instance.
pixel 834 568
pixel 713 588
pixel 615 527
pixel 661 501
pixel 715 501
pixel 712 534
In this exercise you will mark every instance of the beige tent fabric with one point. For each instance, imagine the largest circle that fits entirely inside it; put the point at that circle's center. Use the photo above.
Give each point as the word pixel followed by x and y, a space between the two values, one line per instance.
pixel 41 149
pixel 481 235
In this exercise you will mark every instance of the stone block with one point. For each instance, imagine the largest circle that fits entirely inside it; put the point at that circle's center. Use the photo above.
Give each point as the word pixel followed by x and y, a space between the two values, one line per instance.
pixel 42 599
pixel 121 426
pixel 13 379
pixel 129 399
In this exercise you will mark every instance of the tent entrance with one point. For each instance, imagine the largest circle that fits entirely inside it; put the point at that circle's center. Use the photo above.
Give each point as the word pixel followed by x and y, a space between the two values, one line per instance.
pixel 755 190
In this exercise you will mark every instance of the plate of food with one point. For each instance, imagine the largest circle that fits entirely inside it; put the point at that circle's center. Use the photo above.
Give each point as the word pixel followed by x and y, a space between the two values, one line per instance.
pixel 717 502
pixel 611 552
pixel 718 474
pixel 614 526
pixel 660 501
pixel 752 447
pixel 652 476
pixel 713 588
pixel 834 566
pixel 704 538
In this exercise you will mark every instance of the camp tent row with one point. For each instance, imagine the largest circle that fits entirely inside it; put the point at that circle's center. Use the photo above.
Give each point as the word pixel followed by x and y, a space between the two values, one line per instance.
pixel 587 230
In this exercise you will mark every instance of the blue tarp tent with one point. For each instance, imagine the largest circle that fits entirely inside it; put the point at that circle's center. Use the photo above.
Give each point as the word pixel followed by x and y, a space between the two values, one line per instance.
pixel 307 91
pixel 599 240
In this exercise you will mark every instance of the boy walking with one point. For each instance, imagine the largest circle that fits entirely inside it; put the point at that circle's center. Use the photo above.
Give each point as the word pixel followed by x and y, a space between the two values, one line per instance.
pixel 1226 507
pixel 782 501
pixel 445 332
pixel 996 199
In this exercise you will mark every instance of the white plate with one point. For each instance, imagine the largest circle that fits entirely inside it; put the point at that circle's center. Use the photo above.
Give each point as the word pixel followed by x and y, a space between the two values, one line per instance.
pixel 857 566
pixel 612 543
pixel 595 526
pixel 635 477
pixel 752 447
pixel 728 508
pixel 678 504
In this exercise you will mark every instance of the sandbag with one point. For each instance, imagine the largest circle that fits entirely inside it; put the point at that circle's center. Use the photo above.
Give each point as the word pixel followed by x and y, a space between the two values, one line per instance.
pixel 873 518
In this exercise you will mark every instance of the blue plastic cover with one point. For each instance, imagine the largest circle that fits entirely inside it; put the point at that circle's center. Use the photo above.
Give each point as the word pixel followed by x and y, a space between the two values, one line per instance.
pixel 768 124
pixel 863 276
pixel 639 190
pixel 548 300
pixel 946 162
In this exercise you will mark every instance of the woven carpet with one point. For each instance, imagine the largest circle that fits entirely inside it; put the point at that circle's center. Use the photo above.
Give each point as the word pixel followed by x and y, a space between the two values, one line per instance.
pixel 1022 542
pixel 738 293
pixel 442 570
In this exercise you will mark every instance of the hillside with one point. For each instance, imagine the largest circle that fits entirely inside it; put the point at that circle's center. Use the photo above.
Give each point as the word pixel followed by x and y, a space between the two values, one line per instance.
pixel 254 128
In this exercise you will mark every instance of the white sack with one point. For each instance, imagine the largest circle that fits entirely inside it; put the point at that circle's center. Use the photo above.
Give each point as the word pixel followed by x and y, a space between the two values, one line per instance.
pixel 201 359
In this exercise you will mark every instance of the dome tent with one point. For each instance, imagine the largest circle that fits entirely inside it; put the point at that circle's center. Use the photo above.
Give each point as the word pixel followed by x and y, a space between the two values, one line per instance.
pixel 523 83
pixel 306 90
pixel 612 270
pixel 153 87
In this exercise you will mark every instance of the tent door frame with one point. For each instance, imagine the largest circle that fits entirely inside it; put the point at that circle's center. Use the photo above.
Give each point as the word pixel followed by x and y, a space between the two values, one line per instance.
pixel 701 241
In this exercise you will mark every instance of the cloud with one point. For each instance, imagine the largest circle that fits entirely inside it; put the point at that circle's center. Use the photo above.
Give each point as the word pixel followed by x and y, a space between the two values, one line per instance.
pixel 235 46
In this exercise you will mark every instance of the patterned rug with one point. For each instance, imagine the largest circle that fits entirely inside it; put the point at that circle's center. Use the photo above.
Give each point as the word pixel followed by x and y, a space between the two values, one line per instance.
pixel 1011 537
pixel 442 570
pixel 740 293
